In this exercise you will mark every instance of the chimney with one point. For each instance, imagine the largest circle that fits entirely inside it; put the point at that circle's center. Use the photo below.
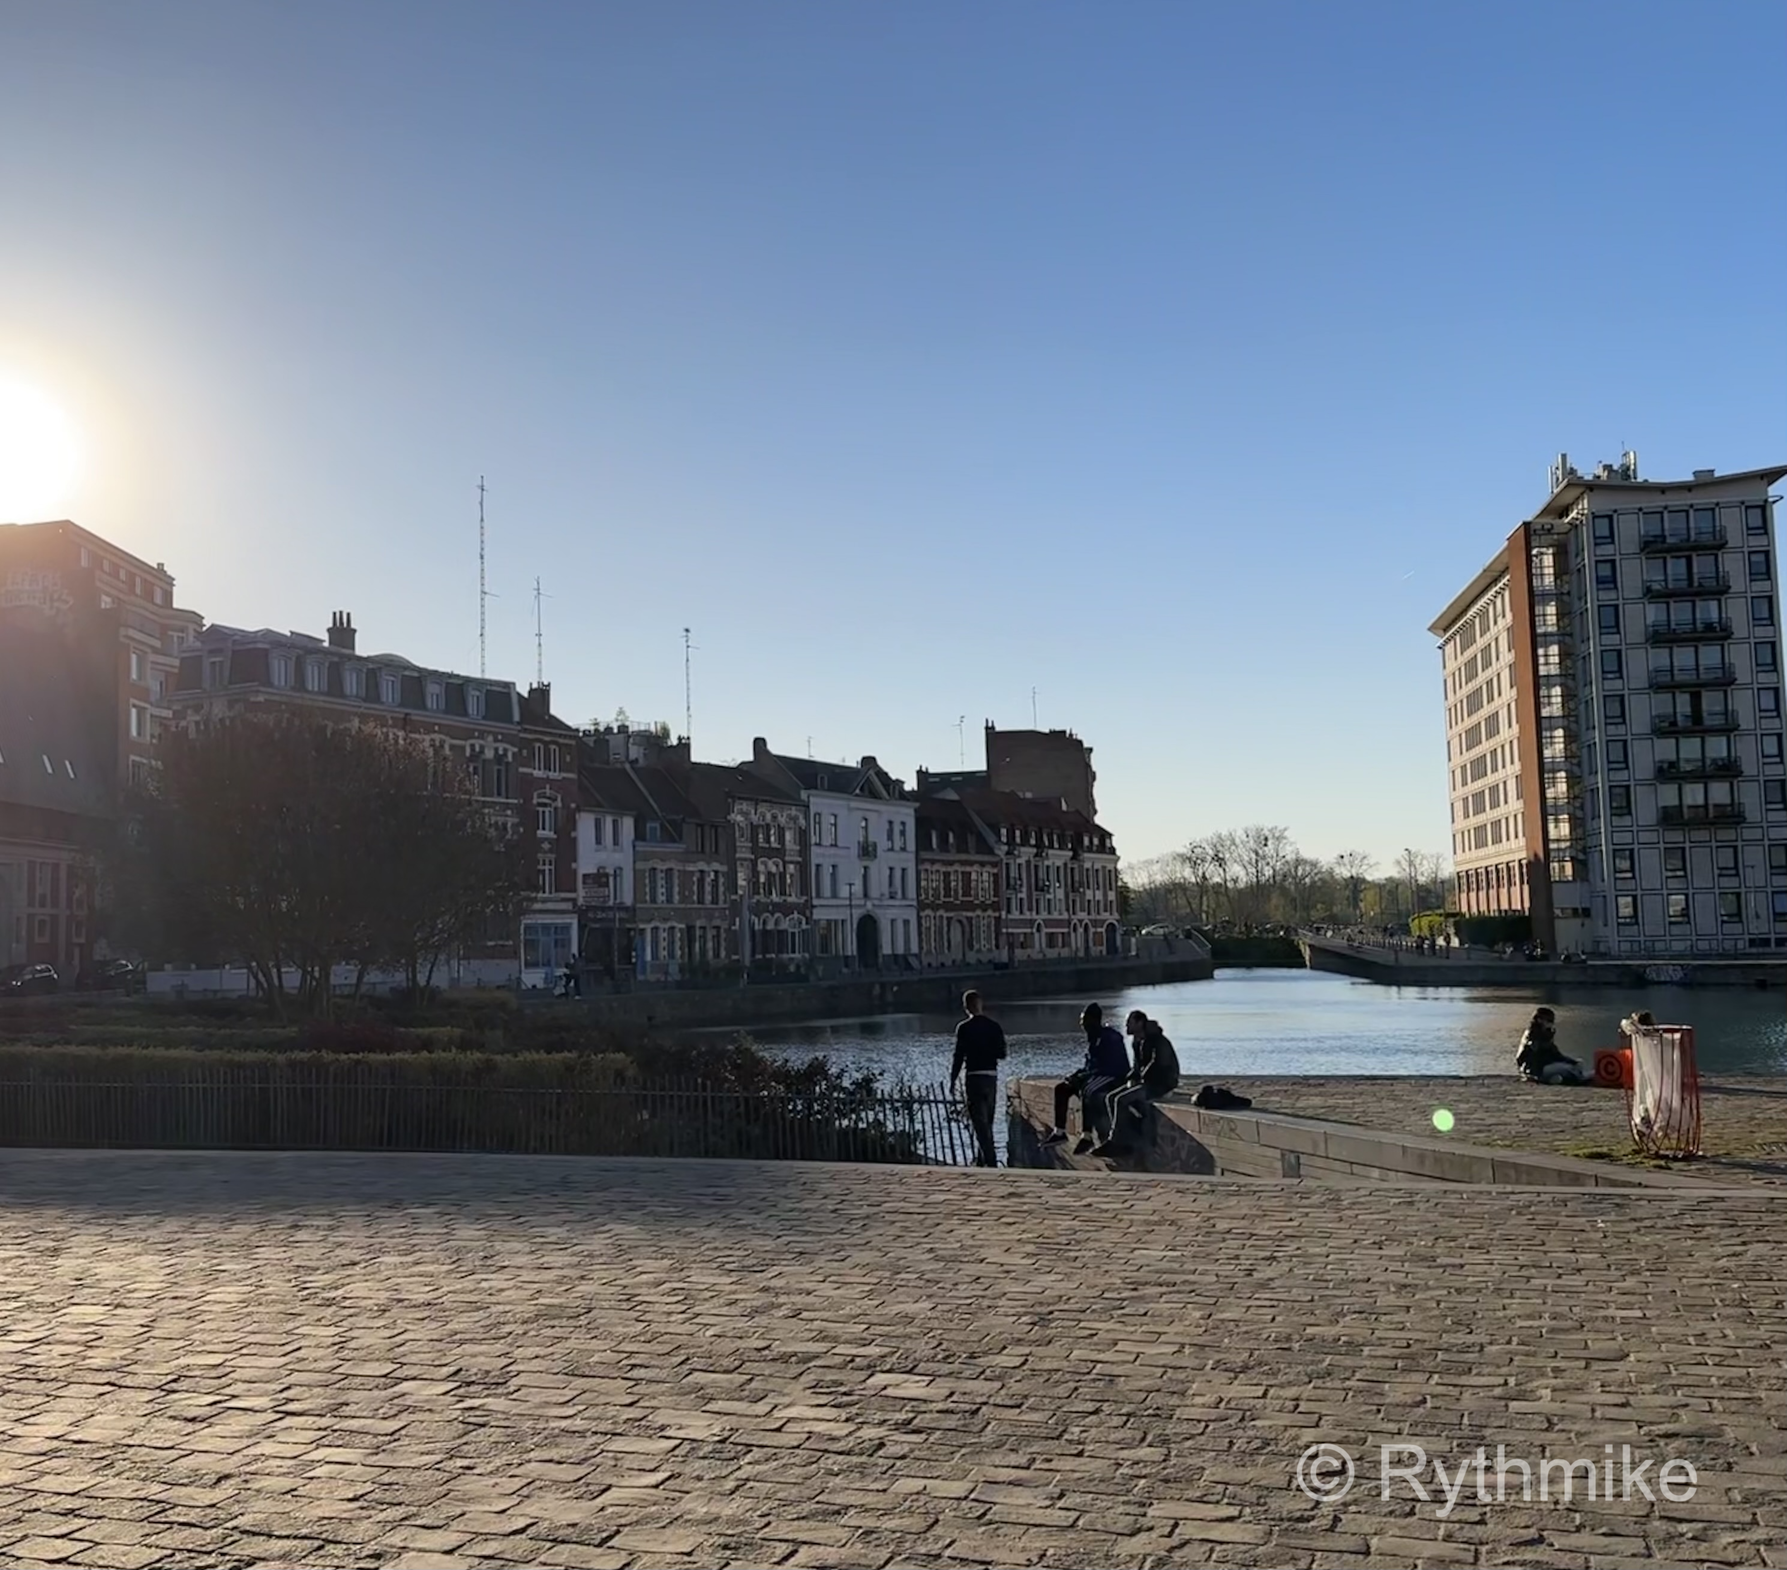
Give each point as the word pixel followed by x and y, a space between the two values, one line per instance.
pixel 341 632
pixel 541 693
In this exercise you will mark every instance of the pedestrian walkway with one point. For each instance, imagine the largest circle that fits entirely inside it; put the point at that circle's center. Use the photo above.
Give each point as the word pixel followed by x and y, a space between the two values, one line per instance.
pixel 225 1359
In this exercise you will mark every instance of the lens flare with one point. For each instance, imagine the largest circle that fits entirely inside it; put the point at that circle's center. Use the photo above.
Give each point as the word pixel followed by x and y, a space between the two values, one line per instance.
pixel 1443 1120
pixel 38 454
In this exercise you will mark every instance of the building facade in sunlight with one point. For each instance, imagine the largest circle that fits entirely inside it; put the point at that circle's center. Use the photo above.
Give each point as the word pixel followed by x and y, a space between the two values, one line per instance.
pixel 1612 686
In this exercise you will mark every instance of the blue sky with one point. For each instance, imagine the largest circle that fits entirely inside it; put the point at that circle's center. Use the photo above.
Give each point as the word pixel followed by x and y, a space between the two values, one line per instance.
pixel 1178 361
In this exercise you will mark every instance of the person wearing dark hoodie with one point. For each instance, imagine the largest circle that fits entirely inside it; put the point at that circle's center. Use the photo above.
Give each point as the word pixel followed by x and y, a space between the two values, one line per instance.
pixel 1106 1067
pixel 1156 1074
pixel 1539 1059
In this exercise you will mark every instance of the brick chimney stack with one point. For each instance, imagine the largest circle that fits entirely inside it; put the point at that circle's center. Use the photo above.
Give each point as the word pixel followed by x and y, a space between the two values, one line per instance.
pixel 341 632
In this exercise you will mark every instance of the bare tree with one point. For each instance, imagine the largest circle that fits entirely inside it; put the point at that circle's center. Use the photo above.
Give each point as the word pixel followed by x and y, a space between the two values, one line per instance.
pixel 1354 869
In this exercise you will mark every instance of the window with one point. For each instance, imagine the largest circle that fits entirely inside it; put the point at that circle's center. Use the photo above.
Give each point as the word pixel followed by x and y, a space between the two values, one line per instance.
pixel 282 670
pixel 1777 859
pixel 1615 708
pixel 546 816
pixel 1625 909
pixel 1622 864
pixel 1675 861
pixel 1779 902
pixel 1759 567
pixel 893 884
pixel 1768 700
pixel 1771 746
pixel 905 884
pixel 353 681
pixel 1725 860
pixel 1616 753
pixel 834 880
pixel 539 757
pixel 831 824
pixel 902 834
pixel 1603 528
pixel 139 722
pixel 1675 907
pixel 1765 657
pixel 1619 800
pixel 1755 518
pixel 315 676
pixel 818 828
pixel 474 702
pixel 1731 906
pixel 595 831
pixel 1762 610
pixel 1774 794
pixel 436 696
pixel 549 874
pixel 890 834
pixel 1607 577
pixel 139 667
pixel 1610 663
pixel 390 688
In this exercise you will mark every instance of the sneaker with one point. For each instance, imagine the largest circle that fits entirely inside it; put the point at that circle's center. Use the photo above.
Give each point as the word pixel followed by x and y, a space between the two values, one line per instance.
pixel 1106 1150
pixel 1084 1145
pixel 1055 1136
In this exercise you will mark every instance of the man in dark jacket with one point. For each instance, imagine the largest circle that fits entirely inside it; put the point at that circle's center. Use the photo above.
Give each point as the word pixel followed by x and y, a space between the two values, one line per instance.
pixel 1106 1067
pixel 980 1049
pixel 1156 1074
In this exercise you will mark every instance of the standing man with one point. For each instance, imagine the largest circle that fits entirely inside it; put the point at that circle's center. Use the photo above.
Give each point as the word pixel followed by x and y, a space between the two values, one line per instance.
pixel 980 1049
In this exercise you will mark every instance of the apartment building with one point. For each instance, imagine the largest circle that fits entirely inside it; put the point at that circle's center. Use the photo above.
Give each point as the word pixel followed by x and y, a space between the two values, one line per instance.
pixel 1612 685
pixel 89 640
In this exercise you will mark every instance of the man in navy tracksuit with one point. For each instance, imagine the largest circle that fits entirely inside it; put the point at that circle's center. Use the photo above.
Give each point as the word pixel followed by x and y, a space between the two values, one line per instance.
pixel 980 1049
pixel 1106 1067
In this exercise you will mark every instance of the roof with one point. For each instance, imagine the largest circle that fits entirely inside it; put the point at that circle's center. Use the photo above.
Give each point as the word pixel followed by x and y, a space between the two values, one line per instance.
pixel 713 787
pixel 1471 593
pixel 1559 503
pixel 867 778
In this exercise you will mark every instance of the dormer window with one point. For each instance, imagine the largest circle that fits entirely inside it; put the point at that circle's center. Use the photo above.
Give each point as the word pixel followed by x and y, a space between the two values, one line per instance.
pixel 353 681
pixel 282 670
pixel 474 702
pixel 390 688
pixel 437 696
pixel 315 676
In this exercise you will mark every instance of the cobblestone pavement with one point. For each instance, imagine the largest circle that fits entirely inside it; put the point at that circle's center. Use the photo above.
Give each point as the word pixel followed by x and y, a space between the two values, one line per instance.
pixel 1744 1118
pixel 225 1359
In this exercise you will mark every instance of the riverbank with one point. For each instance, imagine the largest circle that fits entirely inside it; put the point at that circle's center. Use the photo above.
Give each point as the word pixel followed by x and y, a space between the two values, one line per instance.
pixel 1401 968
pixel 937 992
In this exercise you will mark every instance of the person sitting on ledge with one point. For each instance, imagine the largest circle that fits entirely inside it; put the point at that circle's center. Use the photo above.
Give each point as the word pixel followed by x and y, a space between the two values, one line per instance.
pixel 1156 1074
pixel 1539 1060
pixel 1106 1067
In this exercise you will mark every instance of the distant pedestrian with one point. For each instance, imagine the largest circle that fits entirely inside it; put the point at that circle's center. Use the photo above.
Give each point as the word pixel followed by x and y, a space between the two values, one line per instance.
pixel 1106 1067
pixel 980 1049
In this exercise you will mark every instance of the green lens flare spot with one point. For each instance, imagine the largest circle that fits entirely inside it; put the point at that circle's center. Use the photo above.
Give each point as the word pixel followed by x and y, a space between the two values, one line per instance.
pixel 1443 1120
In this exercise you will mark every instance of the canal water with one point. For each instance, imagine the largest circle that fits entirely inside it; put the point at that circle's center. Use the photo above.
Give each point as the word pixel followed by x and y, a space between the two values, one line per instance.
pixel 1308 1022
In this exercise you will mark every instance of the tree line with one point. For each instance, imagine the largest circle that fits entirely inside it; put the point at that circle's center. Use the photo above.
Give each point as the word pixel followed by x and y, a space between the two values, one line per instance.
pixel 292 846
pixel 1256 876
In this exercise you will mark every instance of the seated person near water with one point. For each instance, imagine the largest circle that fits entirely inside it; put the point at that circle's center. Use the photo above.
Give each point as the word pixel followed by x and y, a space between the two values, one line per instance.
pixel 1156 1074
pixel 1106 1067
pixel 1539 1059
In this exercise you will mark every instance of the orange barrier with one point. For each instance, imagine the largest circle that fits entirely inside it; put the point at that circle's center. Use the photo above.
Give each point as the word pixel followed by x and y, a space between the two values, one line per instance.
pixel 1613 1067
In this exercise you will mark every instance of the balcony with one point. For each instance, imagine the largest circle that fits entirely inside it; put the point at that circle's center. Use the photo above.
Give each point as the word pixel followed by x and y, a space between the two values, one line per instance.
pixel 1705 812
pixel 1703 769
pixel 867 850
pixel 1662 680
pixel 1700 632
pixel 1700 540
pixel 1716 583
pixel 1686 724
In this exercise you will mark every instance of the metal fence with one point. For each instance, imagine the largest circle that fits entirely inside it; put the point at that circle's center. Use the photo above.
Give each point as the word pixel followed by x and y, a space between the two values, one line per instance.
pixel 287 1105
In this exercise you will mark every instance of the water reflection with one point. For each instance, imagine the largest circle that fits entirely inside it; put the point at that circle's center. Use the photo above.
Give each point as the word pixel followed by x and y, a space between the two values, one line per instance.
pixel 1306 1022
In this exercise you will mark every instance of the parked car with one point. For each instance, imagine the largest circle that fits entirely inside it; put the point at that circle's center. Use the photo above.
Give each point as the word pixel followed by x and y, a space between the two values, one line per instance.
pixel 19 981
pixel 110 975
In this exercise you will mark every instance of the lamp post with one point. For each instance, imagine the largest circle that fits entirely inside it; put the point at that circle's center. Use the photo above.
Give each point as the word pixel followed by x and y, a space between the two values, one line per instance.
pixel 850 924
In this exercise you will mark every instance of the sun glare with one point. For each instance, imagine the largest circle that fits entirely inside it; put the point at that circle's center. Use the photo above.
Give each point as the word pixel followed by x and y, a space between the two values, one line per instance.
pixel 38 453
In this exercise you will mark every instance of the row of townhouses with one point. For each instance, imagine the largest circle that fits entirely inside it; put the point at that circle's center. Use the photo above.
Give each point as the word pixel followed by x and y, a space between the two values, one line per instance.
pixel 649 863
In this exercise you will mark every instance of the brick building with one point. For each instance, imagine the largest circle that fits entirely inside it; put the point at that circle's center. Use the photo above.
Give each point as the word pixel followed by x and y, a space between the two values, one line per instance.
pixel 767 842
pixel 960 894
pixel 523 761
pixel 89 640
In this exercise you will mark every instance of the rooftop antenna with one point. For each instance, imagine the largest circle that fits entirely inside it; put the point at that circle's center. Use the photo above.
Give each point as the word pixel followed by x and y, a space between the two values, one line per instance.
pixel 539 636
pixel 961 741
pixel 688 689
pixel 1033 724
pixel 484 594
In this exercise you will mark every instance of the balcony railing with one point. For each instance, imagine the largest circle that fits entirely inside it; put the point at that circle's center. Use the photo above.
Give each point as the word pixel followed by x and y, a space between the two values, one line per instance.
pixel 1702 768
pixel 1719 678
pixel 1700 540
pixel 1700 632
pixel 867 850
pixel 1717 583
pixel 1703 812
pixel 1687 724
